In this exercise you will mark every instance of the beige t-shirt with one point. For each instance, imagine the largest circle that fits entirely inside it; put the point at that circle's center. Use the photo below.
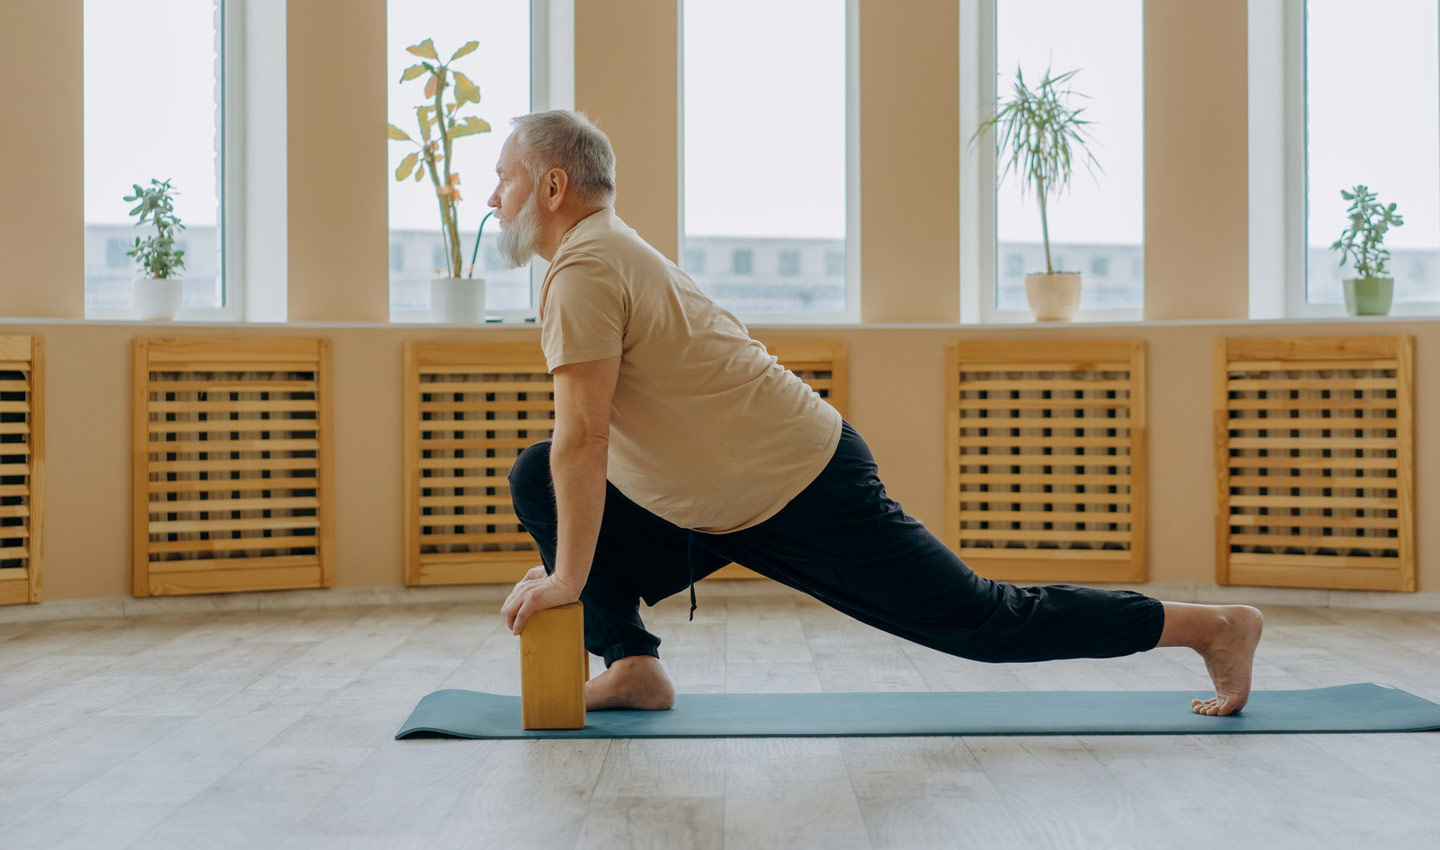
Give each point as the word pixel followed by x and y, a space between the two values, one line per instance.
pixel 707 430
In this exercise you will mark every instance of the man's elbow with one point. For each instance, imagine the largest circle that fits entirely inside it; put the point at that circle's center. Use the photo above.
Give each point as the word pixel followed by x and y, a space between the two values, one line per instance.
pixel 580 441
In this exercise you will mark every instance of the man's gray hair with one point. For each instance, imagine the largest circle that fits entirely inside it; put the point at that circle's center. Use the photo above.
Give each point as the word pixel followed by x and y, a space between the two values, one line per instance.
pixel 568 141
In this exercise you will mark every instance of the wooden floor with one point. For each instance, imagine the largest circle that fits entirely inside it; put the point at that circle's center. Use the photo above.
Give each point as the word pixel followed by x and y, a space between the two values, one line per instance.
pixel 273 729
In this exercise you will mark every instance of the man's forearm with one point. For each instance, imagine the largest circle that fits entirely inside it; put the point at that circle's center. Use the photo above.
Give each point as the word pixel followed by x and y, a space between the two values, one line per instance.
pixel 578 469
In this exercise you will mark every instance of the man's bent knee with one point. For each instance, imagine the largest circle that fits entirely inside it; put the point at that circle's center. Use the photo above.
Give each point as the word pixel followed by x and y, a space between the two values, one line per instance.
pixel 531 471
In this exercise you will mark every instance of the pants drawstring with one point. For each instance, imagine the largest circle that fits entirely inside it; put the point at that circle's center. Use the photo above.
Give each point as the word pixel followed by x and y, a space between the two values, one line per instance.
pixel 690 566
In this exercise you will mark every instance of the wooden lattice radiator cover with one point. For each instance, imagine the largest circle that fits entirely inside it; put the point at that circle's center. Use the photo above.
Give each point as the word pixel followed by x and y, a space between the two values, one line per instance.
pixel 233 465
pixel 470 409
pixel 1046 459
pixel 22 465
pixel 1314 450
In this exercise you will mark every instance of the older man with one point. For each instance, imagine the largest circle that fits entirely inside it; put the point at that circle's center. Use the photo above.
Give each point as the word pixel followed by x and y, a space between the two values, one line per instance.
pixel 680 445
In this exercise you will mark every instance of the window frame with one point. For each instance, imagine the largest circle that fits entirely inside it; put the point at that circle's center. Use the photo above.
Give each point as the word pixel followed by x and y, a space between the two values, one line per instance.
pixel 979 182
pixel 231 226
pixel 1296 140
pixel 851 314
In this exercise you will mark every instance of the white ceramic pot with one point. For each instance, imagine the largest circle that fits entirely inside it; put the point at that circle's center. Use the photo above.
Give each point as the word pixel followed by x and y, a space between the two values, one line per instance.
pixel 1053 297
pixel 158 299
pixel 458 300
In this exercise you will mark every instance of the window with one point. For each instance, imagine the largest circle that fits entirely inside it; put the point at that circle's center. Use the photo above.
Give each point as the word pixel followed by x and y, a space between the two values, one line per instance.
pixel 1100 218
pixel 793 87
pixel 501 67
pixel 128 82
pixel 742 262
pixel 116 253
pixel 694 261
pixel 1359 130
pixel 789 263
pixel 397 256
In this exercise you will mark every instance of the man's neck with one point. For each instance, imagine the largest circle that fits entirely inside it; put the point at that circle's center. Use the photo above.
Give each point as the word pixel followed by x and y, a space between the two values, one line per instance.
pixel 559 228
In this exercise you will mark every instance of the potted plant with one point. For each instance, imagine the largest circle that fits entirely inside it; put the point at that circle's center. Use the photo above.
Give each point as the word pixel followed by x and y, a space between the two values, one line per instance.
pixel 453 297
pixel 1370 292
pixel 158 294
pixel 1039 137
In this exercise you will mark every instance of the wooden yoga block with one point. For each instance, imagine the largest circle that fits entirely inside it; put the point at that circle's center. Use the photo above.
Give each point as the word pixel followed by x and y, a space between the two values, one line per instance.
pixel 554 667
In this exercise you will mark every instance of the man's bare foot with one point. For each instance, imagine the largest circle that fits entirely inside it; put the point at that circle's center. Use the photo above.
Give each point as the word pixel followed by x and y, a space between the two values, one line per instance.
pixel 1226 637
pixel 1229 654
pixel 636 681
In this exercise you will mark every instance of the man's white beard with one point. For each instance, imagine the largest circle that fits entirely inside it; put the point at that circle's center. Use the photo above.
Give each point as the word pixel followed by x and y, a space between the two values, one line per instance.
pixel 519 235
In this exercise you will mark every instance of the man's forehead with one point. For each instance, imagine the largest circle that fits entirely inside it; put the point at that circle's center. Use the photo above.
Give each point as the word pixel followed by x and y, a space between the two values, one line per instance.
pixel 508 154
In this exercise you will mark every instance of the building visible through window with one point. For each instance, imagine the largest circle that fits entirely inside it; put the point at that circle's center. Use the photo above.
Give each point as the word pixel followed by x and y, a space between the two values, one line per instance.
pixel 742 262
pixel 115 253
pixel 694 261
pixel 789 263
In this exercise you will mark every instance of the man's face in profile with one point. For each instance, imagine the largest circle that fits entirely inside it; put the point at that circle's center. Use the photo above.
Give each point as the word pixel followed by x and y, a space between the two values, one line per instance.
pixel 515 206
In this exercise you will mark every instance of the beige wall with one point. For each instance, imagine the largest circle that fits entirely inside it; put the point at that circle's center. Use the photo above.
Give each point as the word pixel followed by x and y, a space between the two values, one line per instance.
pixel 910 161
pixel 627 61
pixel 42 260
pixel 1197 214
pixel 1195 260
pixel 339 217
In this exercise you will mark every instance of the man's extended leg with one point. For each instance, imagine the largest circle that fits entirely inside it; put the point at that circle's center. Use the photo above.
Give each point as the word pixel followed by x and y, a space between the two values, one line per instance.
pixel 845 542
pixel 638 555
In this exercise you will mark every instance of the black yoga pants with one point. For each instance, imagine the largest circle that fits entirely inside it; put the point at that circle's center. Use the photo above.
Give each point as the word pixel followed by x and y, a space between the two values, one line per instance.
pixel 845 542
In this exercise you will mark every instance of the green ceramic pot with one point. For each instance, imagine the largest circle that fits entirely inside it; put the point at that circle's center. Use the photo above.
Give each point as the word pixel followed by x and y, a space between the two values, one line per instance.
pixel 1369 296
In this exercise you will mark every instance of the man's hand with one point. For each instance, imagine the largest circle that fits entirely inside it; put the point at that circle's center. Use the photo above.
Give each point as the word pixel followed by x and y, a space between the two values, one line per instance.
pixel 535 592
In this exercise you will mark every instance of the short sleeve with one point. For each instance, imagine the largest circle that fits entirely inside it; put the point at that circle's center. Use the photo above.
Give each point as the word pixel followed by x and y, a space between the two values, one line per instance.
pixel 583 313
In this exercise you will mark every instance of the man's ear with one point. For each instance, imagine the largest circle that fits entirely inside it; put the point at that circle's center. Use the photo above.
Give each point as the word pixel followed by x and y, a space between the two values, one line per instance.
pixel 557 182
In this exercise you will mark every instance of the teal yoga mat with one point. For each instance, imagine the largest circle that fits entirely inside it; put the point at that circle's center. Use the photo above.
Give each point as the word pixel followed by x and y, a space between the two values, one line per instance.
pixel 1347 708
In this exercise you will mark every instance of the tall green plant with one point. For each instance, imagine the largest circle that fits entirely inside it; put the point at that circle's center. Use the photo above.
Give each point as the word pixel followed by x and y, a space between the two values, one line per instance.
pixel 157 254
pixel 434 155
pixel 1039 136
pixel 1369 221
